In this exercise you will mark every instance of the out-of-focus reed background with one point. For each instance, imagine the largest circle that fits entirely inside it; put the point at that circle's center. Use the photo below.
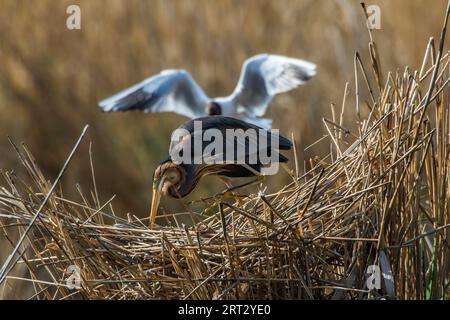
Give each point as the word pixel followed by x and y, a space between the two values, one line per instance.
pixel 51 78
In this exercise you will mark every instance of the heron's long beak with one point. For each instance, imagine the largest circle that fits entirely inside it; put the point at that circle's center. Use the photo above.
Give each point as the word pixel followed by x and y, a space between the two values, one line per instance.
pixel 157 187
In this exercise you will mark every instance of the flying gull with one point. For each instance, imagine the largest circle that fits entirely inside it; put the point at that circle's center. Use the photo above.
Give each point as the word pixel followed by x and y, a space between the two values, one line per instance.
pixel 262 77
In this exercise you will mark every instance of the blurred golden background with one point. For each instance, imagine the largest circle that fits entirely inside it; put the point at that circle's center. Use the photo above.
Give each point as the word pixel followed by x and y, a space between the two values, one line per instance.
pixel 51 78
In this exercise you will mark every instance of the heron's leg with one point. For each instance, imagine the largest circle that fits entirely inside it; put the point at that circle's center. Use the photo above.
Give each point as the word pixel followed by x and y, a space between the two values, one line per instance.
pixel 288 170
pixel 255 172
pixel 227 181
pixel 231 188
pixel 228 194
pixel 259 178
pixel 229 185
pixel 224 196
pixel 242 185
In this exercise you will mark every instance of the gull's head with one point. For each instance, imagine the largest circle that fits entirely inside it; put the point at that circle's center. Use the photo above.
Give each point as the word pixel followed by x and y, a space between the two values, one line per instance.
pixel 213 109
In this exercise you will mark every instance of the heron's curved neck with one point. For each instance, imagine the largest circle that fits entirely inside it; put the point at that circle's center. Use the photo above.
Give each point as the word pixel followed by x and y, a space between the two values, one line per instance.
pixel 190 181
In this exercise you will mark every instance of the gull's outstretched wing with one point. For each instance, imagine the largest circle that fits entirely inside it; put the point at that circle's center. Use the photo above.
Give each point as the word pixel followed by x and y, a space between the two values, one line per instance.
pixel 169 91
pixel 263 76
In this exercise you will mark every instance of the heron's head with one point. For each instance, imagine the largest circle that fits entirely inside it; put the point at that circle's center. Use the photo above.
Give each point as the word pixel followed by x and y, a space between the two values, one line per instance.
pixel 167 179
pixel 213 109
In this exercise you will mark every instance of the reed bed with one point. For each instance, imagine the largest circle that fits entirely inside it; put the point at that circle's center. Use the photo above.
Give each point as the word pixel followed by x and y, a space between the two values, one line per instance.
pixel 380 197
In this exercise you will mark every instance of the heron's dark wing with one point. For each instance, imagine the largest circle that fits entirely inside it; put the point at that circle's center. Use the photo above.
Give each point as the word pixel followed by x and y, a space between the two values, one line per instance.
pixel 263 76
pixel 169 91
pixel 229 141
pixel 222 123
pixel 265 123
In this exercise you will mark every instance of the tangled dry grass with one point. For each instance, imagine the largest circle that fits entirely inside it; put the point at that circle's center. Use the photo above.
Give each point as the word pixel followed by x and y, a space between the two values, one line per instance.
pixel 380 197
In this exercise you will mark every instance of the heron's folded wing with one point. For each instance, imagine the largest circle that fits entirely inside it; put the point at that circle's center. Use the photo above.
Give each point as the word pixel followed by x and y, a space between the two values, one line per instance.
pixel 227 140
pixel 264 123
pixel 169 91
pixel 263 76
pixel 250 144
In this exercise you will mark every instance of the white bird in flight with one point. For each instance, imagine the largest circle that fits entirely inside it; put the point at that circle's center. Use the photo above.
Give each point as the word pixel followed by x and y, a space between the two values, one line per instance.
pixel 262 77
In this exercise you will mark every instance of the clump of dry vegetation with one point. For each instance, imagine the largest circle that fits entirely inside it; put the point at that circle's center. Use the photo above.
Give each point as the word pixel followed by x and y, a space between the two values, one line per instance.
pixel 380 197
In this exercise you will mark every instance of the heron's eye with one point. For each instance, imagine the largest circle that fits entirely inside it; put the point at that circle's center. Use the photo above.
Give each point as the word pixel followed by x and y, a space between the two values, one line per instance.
pixel 173 176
